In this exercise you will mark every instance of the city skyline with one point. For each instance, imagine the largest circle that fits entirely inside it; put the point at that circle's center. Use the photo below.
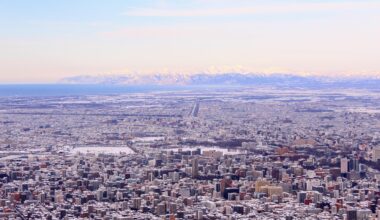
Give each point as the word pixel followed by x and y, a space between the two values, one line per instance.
pixel 43 42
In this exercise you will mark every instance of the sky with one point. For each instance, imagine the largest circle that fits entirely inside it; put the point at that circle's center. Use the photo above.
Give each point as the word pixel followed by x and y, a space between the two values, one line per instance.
pixel 43 41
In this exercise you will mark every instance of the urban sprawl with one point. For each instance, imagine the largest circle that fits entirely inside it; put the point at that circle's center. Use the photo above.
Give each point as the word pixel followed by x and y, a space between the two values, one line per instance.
pixel 234 153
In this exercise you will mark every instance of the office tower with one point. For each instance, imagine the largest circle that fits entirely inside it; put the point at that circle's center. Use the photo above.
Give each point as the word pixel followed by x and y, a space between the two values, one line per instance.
pixel 194 170
pixel 353 164
pixel 217 187
pixel 376 154
pixel 301 196
pixel 275 190
pixel 344 165
pixel 260 183
pixel 136 203
pixel 276 174
pixel 225 183
pixel 161 209
pixel 351 214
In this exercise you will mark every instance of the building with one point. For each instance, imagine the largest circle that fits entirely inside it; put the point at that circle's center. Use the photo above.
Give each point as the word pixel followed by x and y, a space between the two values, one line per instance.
pixel 344 165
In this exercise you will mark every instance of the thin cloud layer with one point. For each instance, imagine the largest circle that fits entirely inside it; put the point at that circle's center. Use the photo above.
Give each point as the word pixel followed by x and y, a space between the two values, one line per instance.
pixel 263 9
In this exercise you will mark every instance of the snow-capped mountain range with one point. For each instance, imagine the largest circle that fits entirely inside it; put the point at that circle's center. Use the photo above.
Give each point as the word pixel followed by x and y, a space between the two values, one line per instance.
pixel 229 79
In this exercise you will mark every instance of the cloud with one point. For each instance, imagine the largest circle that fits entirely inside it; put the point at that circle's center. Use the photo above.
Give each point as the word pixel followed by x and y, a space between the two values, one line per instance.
pixel 174 31
pixel 262 9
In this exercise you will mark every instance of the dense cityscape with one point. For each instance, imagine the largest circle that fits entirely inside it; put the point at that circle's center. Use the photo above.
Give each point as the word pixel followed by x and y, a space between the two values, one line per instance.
pixel 190 110
pixel 237 153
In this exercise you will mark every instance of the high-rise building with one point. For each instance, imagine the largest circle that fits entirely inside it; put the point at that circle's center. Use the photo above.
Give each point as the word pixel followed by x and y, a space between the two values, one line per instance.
pixel 275 190
pixel 161 209
pixel 194 168
pixel 260 183
pixel 301 196
pixel 344 165
pixel 136 203
pixel 376 154
pixel 225 183
pixel 353 164
pixel 351 214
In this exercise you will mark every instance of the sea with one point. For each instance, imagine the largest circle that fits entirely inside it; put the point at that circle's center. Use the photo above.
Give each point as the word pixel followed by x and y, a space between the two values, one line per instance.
pixel 42 90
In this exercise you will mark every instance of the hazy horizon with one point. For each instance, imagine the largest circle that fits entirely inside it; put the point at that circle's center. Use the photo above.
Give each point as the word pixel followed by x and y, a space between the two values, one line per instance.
pixel 44 41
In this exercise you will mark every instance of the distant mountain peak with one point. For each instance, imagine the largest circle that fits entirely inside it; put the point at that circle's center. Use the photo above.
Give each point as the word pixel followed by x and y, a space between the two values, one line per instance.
pixel 227 79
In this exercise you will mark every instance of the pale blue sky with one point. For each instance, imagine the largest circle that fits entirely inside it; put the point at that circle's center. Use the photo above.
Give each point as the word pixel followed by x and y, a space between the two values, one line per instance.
pixel 46 40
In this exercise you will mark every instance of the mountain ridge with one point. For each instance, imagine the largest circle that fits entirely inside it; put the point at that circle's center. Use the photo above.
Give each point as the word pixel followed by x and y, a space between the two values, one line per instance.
pixel 229 79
